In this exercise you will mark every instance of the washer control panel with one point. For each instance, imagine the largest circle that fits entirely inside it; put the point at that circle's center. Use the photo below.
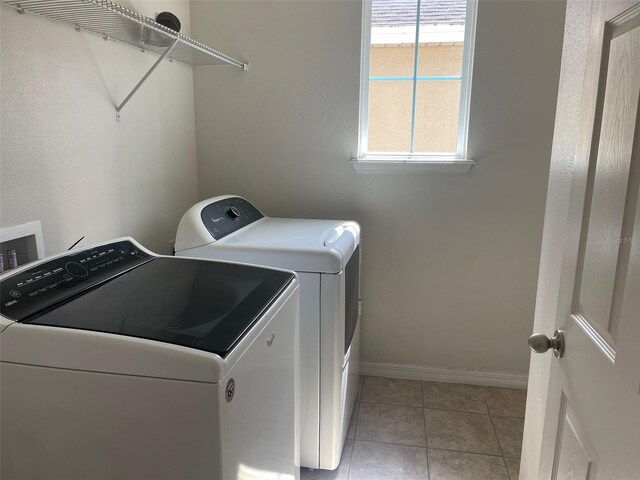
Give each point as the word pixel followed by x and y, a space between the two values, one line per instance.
pixel 229 215
pixel 53 281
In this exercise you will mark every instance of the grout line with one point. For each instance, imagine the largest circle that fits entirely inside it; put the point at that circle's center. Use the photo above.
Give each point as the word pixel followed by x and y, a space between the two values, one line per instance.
pixel 426 438
pixel 355 429
pixel 353 446
pixel 395 444
pixel 506 468
pixel 445 409
pixel 504 462
pixel 394 404
pixel 434 448
pixel 495 432
pixel 464 451
pixel 521 417
pixel 457 411
pixel 431 408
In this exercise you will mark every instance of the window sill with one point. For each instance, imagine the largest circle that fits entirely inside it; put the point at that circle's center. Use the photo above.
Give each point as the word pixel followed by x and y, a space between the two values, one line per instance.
pixel 394 164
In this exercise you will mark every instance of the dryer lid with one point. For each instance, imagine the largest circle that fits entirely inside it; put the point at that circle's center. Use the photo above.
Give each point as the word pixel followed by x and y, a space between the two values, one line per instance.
pixel 304 245
pixel 231 228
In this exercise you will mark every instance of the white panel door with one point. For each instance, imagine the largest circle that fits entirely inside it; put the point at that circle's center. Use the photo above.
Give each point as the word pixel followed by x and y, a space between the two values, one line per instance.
pixel 592 424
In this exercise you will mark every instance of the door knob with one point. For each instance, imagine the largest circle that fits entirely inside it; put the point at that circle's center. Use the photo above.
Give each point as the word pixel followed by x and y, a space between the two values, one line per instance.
pixel 540 343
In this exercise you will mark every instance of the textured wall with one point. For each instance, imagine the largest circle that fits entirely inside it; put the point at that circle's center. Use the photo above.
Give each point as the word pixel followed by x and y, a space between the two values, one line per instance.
pixel 449 262
pixel 64 158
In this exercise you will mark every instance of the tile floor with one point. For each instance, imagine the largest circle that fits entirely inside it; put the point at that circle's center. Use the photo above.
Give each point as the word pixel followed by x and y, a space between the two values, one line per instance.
pixel 410 430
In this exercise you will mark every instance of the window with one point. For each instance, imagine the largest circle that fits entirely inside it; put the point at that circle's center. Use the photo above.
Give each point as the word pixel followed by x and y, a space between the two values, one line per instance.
pixel 416 69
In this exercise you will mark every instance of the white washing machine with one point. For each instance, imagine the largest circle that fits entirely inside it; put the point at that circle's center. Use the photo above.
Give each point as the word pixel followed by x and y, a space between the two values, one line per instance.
pixel 119 364
pixel 326 256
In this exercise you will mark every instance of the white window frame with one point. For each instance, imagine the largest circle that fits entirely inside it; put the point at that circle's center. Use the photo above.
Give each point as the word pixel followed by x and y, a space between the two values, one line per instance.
pixel 416 162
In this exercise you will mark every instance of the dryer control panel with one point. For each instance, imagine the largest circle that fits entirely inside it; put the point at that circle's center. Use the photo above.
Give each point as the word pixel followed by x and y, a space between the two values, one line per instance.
pixel 53 281
pixel 229 215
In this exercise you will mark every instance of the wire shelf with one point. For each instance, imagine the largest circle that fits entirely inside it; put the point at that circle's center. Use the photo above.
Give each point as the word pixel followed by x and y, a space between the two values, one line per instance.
pixel 114 22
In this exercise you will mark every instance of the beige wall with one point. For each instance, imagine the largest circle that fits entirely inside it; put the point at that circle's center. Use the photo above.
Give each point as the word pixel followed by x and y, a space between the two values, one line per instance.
pixel 65 160
pixel 449 262
pixel 437 102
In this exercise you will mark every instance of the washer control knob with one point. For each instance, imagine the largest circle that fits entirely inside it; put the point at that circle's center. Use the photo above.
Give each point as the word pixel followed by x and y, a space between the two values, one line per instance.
pixel 233 213
pixel 76 269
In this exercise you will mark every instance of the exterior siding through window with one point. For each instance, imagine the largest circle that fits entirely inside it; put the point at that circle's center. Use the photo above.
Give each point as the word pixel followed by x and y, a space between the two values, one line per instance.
pixel 437 76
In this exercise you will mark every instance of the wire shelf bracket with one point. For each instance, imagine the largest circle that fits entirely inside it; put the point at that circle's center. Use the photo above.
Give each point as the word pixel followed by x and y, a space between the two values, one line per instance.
pixel 114 22
pixel 142 80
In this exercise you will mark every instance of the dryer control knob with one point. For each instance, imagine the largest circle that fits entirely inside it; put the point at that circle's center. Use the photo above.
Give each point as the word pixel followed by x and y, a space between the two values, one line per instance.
pixel 233 213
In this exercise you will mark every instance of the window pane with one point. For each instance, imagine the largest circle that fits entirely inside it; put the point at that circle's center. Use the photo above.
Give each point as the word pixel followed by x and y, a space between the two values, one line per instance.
pixel 439 59
pixel 437 104
pixel 439 75
pixel 392 61
pixel 393 35
pixel 390 115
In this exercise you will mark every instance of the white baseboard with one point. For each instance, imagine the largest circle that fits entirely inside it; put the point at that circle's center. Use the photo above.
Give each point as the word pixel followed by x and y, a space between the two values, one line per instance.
pixel 449 375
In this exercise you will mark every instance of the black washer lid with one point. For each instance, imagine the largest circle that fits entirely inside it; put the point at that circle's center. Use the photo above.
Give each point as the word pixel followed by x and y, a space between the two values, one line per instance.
pixel 200 304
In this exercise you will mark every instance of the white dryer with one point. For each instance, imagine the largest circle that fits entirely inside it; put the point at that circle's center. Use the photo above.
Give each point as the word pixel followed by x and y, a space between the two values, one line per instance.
pixel 326 256
pixel 117 364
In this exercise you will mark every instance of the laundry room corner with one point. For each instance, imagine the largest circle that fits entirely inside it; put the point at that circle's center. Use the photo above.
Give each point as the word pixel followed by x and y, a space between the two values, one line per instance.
pixel 449 262
pixel 66 161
